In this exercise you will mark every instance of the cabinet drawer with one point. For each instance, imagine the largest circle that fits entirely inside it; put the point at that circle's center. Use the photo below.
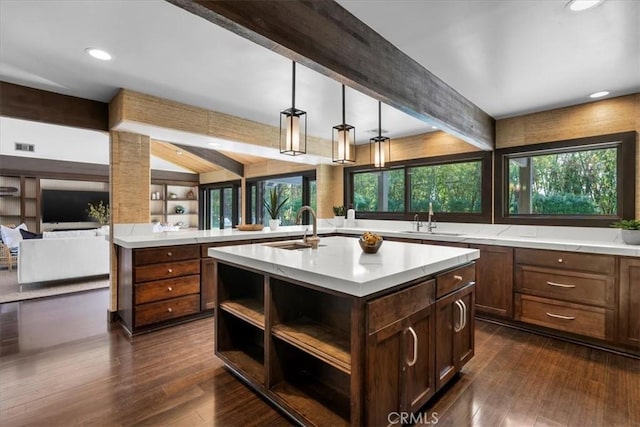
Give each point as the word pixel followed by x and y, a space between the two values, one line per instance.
pixel 386 310
pixel 455 279
pixel 585 288
pixel 578 319
pixel 166 253
pixel 154 312
pixel 167 270
pixel 164 289
pixel 598 264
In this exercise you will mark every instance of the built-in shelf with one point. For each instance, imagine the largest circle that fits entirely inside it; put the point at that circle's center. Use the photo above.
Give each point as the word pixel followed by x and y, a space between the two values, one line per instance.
pixel 316 400
pixel 248 360
pixel 248 309
pixel 186 195
pixel 317 339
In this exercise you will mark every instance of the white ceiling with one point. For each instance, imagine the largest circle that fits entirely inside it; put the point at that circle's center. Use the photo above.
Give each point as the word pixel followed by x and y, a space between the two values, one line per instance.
pixel 507 57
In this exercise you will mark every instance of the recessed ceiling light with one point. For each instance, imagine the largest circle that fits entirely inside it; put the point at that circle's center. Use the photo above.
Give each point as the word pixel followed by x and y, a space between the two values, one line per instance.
pixel 179 153
pixel 98 54
pixel 434 127
pixel 599 94
pixel 213 144
pixel 580 5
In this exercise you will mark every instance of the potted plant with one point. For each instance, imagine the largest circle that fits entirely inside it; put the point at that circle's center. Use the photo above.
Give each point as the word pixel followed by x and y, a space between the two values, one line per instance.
pixel 338 216
pixel 99 212
pixel 630 230
pixel 273 206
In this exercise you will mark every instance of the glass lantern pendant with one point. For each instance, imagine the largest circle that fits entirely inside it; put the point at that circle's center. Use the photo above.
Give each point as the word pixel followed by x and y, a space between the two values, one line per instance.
pixel 293 126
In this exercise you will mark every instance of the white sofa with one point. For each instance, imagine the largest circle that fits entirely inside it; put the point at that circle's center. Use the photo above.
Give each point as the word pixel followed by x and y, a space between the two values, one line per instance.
pixel 56 257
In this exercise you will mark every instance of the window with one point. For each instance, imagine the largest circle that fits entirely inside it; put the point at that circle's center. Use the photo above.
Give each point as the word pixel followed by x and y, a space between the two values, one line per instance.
pixel 458 186
pixel 588 181
pixel 221 205
pixel 454 187
pixel 379 191
pixel 298 188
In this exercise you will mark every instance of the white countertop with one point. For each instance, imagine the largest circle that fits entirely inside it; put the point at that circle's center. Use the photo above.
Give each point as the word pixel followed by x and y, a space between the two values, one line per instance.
pixel 572 239
pixel 340 265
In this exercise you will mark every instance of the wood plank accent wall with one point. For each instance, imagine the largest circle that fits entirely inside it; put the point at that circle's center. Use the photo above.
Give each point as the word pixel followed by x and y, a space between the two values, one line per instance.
pixel 37 105
pixel 130 106
pixel 418 146
pixel 621 114
pixel 130 178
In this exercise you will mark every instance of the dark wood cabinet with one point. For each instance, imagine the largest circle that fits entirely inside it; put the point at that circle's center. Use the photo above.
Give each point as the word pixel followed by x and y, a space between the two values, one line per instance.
pixel 629 303
pixel 401 354
pixel 454 322
pixel 494 280
pixel 570 292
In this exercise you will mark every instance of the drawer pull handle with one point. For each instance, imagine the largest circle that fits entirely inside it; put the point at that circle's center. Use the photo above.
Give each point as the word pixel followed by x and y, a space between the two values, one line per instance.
pixel 560 260
pixel 560 285
pixel 415 347
pixel 169 254
pixel 170 310
pixel 458 278
pixel 170 270
pixel 559 316
pixel 169 288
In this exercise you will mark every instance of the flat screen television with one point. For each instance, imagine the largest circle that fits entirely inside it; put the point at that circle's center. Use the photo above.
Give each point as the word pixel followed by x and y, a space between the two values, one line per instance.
pixel 70 205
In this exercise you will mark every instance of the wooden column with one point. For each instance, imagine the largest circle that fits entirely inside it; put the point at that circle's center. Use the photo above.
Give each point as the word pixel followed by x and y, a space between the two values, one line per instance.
pixel 129 181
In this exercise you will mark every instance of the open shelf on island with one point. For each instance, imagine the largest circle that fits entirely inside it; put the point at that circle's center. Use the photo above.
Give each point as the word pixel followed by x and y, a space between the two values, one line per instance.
pixel 248 309
pixel 317 339
pixel 244 348
pixel 317 391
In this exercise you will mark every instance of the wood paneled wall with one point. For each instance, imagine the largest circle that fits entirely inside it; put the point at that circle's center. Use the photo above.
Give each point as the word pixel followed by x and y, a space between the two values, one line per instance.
pixel 418 146
pixel 621 114
pixel 130 178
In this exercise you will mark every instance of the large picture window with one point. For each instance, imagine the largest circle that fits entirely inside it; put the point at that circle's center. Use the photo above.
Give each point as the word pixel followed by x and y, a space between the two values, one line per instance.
pixel 457 186
pixel 586 181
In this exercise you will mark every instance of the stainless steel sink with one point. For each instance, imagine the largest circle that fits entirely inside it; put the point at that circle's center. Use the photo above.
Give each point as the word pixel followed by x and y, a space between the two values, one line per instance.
pixel 290 245
pixel 433 233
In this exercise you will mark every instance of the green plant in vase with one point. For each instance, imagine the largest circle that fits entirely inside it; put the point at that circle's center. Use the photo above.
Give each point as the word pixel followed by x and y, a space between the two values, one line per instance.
pixel 630 230
pixel 274 205
pixel 338 215
pixel 99 212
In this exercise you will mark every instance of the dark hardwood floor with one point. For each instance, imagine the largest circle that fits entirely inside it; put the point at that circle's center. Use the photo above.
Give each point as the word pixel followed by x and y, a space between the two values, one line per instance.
pixel 61 366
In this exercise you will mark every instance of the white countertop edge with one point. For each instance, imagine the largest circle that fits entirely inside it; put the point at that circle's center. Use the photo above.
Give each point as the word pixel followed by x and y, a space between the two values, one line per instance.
pixel 166 238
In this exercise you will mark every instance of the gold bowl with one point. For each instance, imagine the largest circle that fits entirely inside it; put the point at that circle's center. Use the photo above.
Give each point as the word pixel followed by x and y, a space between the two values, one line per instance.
pixel 369 249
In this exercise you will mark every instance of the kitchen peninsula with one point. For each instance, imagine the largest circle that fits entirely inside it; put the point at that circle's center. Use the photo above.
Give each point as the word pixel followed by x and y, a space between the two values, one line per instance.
pixel 335 336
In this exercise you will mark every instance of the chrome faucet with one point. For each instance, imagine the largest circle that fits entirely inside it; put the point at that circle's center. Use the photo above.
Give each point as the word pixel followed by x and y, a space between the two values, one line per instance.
pixel 314 239
pixel 431 223
pixel 417 222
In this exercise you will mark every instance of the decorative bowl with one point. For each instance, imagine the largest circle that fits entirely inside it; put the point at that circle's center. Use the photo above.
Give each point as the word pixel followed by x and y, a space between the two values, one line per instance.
pixel 179 209
pixel 369 249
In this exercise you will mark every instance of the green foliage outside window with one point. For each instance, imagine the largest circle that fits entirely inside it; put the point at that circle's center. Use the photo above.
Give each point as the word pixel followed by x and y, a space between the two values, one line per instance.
pixel 571 183
pixel 454 187
pixel 379 191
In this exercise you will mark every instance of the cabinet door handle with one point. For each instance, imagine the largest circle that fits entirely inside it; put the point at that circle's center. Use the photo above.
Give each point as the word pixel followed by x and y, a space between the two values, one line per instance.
pixel 169 288
pixel 415 347
pixel 560 285
pixel 169 254
pixel 464 314
pixel 560 260
pixel 457 277
pixel 170 271
pixel 559 316
pixel 458 328
pixel 170 310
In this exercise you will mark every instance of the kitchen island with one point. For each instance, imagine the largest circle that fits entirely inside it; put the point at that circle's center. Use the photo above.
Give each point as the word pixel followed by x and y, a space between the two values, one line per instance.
pixel 334 336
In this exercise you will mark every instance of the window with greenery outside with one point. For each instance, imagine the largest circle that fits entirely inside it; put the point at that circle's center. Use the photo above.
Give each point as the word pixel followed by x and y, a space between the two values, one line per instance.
pixel 579 182
pixel 379 191
pixel 453 187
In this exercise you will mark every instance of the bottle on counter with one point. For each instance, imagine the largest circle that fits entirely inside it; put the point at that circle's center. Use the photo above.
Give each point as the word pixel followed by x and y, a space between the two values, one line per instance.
pixel 351 217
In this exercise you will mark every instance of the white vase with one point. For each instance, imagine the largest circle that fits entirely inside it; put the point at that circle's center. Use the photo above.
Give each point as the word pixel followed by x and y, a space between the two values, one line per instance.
pixel 273 224
pixel 631 237
pixel 338 221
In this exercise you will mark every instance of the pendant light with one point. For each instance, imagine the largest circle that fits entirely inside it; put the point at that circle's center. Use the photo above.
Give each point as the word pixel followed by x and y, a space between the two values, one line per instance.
pixel 380 146
pixel 293 126
pixel 344 140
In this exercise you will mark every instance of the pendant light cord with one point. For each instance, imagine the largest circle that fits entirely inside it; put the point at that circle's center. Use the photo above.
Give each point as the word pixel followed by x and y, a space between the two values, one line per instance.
pixel 293 88
pixel 380 119
pixel 344 120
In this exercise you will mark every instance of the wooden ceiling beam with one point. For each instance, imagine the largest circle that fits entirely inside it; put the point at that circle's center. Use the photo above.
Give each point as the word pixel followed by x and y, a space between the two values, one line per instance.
pixel 21 102
pixel 325 37
pixel 214 157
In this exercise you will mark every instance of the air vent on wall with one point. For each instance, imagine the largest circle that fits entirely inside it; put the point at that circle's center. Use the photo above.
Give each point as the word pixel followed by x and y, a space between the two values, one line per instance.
pixel 23 146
